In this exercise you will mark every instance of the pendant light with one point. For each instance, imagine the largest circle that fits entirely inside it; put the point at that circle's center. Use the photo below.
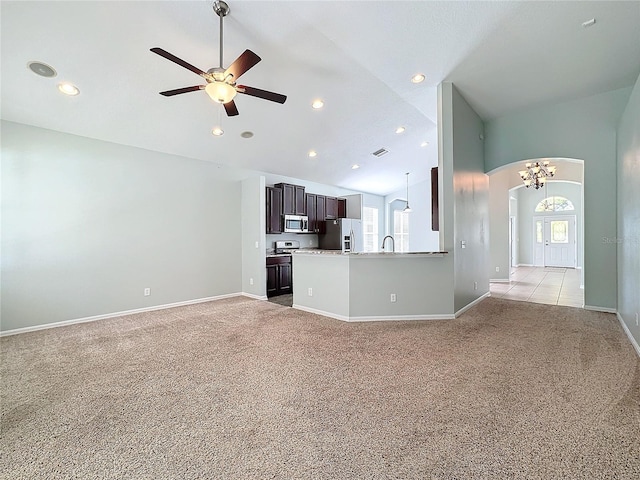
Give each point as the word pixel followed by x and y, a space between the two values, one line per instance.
pixel 407 209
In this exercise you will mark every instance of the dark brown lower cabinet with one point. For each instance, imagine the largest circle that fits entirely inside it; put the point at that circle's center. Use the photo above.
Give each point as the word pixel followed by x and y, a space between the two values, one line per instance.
pixel 279 276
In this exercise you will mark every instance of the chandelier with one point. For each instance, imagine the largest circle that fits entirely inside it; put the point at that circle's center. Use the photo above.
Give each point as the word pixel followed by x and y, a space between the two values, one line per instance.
pixel 535 174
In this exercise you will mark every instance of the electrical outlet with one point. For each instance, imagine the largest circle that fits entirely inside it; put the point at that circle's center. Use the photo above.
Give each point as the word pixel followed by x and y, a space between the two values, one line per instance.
pixel 147 292
pixel 463 244
pixel 393 298
pixel 310 292
pixel 475 285
pixel 251 281
pixel 497 269
pixel 257 244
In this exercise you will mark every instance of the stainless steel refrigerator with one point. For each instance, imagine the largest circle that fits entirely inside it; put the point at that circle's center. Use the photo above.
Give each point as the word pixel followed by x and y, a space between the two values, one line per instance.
pixel 342 234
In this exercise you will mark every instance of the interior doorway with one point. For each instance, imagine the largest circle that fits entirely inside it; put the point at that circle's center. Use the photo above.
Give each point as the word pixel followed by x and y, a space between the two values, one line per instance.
pixel 517 241
pixel 513 261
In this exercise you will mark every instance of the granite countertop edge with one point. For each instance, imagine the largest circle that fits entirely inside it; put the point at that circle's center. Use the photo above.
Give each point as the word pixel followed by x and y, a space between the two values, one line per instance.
pixel 371 254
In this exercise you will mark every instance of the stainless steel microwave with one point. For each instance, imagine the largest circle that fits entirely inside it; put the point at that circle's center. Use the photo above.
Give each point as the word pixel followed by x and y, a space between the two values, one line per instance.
pixel 296 223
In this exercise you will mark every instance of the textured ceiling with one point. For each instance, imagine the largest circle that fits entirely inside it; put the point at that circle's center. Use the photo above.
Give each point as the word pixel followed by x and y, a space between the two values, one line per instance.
pixel 357 56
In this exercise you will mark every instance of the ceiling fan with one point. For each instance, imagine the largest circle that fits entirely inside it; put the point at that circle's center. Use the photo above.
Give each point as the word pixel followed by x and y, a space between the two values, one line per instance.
pixel 221 83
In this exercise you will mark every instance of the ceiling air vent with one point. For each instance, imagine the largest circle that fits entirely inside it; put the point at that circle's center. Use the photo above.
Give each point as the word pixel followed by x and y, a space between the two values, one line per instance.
pixel 381 152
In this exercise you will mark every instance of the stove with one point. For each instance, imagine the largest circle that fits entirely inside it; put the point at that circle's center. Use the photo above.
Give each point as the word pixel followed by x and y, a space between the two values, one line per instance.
pixel 287 246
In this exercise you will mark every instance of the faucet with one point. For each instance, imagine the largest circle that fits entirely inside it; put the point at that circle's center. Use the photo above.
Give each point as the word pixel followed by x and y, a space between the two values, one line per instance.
pixel 393 243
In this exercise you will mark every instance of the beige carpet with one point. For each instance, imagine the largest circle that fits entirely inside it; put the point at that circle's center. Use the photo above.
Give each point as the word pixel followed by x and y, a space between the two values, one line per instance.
pixel 244 389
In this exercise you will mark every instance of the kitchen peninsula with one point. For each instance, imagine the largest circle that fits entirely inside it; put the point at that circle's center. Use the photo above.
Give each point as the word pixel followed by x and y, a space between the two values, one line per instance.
pixel 373 286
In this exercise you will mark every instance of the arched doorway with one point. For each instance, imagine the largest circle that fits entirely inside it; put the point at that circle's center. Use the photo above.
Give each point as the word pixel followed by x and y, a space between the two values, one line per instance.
pixel 538 255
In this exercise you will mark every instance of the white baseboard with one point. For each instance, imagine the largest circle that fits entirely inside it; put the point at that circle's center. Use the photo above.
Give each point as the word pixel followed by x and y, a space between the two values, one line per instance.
pixel 381 318
pixel 256 297
pixel 628 332
pixel 600 309
pixel 65 323
pixel 526 265
pixel 499 280
pixel 321 312
pixel 470 305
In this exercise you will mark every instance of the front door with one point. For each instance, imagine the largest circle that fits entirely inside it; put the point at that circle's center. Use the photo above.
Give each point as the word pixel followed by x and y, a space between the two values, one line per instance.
pixel 560 241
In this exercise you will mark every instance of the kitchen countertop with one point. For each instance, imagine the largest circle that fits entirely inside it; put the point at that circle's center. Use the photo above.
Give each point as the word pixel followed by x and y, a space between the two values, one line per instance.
pixel 370 254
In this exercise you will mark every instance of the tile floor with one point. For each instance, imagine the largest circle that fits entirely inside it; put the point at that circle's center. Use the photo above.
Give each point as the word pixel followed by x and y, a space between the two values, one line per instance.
pixel 550 285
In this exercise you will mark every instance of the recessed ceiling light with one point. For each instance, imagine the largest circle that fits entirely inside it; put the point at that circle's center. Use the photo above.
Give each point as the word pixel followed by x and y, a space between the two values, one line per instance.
pixel 246 134
pixel 589 23
pixel 217 131
pixel 355 166
pixel 312 153
pixel 424 144
pixel 68 89
pixel 417 78
pixel 42 69
pixel 317 104
pixel 400 129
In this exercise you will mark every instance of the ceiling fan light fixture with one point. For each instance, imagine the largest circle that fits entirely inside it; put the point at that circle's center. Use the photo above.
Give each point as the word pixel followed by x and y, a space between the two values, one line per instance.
pixel 220 92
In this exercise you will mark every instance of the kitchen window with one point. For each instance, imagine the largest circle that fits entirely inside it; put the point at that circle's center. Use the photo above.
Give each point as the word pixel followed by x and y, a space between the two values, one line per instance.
pixel 370 229
pixel 401 230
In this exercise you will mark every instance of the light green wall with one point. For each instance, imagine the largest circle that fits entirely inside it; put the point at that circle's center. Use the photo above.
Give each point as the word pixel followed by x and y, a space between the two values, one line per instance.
pixel 582 129
pixel 466 196
pixel 359 287
pixel 628 235
pixel 87 225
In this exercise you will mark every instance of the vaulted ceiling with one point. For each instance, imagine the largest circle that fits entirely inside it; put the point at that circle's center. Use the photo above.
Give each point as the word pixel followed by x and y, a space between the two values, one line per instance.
pixel 357 56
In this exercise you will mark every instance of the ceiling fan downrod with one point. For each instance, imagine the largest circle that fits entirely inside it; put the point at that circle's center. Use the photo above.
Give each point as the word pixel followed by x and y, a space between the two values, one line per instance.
pixel 222 10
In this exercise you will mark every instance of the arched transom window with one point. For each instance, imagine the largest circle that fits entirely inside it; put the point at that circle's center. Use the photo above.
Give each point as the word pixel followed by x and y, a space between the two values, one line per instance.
pixel 555 204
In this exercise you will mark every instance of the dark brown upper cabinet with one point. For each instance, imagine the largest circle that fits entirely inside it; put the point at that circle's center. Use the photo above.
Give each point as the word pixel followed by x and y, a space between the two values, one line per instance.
pixel 293 201
pixel 342 208
pixel 273 209
pixel 332 208
pixel 312 214
pixel 321 215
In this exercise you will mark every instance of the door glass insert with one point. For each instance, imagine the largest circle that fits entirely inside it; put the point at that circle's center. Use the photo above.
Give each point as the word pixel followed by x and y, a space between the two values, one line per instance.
pixel 539 234
pixel 559 231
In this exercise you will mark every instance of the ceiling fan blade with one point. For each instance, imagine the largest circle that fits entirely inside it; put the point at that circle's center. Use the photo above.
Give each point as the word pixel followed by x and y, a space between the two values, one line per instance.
pixel 231 108
pixel 243 63
pixel 256 92
pixel 178 91
pixel 179 61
